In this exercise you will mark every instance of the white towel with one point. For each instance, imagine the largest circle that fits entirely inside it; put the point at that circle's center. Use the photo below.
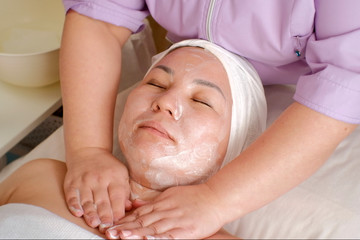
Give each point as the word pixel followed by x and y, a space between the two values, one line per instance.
pixel 23 221
pixel 249 108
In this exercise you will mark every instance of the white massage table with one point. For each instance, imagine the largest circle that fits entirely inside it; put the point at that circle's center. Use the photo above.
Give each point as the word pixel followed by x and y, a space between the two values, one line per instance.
pixel 325 206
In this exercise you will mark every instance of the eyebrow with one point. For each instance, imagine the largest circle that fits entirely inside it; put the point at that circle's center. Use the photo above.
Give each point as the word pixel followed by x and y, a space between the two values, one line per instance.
pixel 196 81
pixel 209 84
pixel 165 69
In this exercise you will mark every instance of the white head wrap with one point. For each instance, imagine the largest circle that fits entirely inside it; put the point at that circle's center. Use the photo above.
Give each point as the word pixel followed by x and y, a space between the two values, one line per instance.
pixel 249 109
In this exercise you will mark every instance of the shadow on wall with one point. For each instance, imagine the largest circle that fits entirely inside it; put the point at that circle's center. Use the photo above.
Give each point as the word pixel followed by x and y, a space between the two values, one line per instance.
pixel 159 35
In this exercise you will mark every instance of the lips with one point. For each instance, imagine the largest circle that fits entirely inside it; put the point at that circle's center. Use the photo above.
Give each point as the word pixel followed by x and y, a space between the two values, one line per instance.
pixel 156 129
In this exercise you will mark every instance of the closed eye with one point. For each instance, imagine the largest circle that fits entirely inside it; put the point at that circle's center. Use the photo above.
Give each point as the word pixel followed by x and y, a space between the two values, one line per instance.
pixel 156 85
pixel 202 102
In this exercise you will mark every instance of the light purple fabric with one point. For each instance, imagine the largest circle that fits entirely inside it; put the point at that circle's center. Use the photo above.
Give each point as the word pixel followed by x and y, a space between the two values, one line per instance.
pixel 268 34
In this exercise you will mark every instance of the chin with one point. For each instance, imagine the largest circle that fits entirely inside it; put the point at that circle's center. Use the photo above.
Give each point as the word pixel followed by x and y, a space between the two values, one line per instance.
pixel 161 179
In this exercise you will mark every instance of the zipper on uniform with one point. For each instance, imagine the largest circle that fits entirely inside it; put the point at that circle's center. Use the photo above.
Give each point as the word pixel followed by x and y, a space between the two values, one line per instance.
pixel 298 47
pixel 209 20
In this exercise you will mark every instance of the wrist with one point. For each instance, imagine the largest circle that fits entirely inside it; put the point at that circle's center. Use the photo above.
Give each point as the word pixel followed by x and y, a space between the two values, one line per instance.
pixel 227 207
pixel 83 154
pixel 219 205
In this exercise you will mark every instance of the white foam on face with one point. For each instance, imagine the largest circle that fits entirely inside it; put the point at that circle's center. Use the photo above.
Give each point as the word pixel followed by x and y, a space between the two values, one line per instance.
pixel 187 167
pixel 163 166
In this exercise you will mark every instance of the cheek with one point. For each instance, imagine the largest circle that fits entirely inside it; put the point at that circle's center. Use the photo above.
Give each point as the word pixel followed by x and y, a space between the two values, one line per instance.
pixel 205 129
pixel 201 155
pixel 134 107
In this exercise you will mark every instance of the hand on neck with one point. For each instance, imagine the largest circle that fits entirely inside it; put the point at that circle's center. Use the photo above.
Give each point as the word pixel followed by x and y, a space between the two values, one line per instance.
pixel 140 192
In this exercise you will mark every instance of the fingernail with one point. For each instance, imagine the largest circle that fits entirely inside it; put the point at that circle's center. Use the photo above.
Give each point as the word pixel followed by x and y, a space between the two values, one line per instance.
pixel 113 233
pixel 150 237
pixel 133 237
pixel 76 212
pixel 104 226
pixel 94 222
pixel 125 233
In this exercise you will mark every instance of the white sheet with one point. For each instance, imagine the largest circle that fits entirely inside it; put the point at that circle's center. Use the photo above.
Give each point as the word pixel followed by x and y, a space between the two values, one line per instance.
pixel 22 221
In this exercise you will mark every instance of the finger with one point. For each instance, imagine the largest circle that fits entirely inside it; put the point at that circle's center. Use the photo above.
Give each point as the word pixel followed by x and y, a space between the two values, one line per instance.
pixel 120 231
pixel 72 197
pixel 90 214
pixel 132 217
pixel 176 233
pixel 155 229
pixel 128 205
pixel 89 208
pixel 128 219
pixel 139 203
pixel 141 212
pixel 103 207
pixel 134 226
pixel 115 231
pixel 105 216
pixel 173 234
pixel 118 200
pixel 125 234
pixel 151 214
pixel 134 230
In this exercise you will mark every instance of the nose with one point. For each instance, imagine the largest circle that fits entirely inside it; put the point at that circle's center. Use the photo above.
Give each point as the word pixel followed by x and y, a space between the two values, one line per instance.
pixel 168 103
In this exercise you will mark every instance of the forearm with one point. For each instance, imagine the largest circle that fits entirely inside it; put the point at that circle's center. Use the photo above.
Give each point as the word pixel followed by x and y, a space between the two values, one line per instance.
pixel 290 151
pixel 90 62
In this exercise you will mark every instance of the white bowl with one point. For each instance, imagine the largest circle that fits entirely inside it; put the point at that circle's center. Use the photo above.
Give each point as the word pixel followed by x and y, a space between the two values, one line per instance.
pixel 30 35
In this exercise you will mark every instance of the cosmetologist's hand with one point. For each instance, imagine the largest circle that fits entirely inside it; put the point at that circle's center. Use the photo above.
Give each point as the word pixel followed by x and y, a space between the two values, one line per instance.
pixel 97 187
pixel 179 212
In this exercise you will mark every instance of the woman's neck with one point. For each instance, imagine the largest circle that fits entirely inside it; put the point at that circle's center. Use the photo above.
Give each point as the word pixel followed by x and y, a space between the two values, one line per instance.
pixel 138 191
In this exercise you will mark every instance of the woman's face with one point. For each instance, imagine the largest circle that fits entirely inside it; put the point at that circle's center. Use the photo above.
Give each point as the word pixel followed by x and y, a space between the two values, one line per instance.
pixel 176 122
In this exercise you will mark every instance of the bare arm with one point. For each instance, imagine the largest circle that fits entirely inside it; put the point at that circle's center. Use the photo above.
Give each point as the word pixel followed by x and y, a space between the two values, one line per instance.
pixel 90 62
pixel 290 151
